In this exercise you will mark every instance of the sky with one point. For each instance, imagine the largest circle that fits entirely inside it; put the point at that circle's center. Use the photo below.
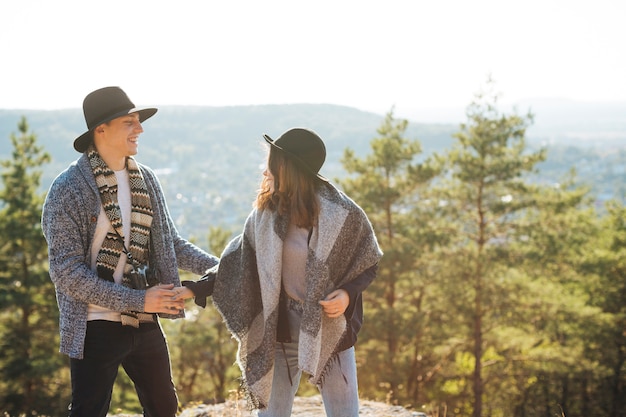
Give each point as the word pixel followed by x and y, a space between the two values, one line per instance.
pixel 417 58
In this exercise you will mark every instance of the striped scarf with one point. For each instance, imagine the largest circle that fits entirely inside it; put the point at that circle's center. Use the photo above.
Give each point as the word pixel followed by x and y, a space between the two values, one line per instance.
pixel 141 220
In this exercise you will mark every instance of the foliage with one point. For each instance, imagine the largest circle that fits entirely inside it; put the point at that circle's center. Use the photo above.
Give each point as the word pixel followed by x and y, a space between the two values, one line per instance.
pixel 202 350
pixel 32 371
pixel 384 183
pixel 502 290
pixel 481 304
pixel 483 191
pixel 604 260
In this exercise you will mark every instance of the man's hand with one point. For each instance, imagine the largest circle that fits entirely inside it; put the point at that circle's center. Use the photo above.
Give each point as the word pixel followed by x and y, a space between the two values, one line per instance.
pixel 160 299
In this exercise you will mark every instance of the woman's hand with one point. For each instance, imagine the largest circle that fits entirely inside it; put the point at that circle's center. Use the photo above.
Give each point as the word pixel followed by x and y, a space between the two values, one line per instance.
pixel 335 303
pixel 183 293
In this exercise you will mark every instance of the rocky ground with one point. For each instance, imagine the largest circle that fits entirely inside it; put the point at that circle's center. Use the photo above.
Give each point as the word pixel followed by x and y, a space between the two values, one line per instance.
pixel 303 407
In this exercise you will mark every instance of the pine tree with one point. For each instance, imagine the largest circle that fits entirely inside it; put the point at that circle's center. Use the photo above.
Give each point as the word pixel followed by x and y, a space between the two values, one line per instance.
pixel 541 337
pixel 202 349
pixel 481 194
pixel 385 183
pixel 604 266
pixel 33 378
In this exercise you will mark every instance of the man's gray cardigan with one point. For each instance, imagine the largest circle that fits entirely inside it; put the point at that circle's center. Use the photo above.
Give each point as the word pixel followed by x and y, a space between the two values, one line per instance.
pixel 69 219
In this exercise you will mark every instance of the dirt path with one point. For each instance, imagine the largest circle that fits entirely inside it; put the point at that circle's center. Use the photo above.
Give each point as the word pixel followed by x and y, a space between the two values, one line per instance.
pixel 303 407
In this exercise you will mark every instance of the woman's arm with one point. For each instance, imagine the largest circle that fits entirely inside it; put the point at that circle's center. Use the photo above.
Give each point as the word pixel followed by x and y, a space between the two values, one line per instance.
pixel 201 289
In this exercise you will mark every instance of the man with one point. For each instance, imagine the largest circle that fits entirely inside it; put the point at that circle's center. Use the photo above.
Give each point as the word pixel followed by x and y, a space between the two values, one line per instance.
pixel 105 220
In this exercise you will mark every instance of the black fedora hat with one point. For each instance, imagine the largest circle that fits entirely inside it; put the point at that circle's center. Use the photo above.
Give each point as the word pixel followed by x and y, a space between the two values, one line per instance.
pixel 104 105
pixel 304 146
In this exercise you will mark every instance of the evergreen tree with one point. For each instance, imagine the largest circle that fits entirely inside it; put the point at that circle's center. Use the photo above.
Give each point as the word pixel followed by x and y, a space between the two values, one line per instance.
pixel 202 349
pixel 551 320
pixel 33 374
pixel 481 193
pixel 384 183
pixel 604 261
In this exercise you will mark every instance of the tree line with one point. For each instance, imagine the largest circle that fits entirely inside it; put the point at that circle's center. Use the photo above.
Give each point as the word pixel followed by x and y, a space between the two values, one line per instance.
pixel 497 295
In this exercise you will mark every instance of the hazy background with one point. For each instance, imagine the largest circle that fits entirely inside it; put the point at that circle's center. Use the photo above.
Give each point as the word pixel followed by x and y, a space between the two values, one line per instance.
pixel 547 295
pixel 562 60
pixel 426 58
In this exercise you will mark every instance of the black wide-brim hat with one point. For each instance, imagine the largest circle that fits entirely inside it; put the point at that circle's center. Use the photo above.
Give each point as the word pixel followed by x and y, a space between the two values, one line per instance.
pixel 304 146
pixel 104 105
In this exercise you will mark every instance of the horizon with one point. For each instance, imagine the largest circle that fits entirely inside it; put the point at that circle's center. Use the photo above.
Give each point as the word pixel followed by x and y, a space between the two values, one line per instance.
pixel 612 113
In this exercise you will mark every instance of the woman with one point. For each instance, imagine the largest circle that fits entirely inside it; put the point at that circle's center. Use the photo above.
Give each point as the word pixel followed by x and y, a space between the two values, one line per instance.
pixel 289 287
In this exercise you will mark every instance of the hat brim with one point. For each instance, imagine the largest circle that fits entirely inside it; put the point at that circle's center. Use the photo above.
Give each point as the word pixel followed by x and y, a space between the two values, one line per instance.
pixel 82 142
pixel 302 163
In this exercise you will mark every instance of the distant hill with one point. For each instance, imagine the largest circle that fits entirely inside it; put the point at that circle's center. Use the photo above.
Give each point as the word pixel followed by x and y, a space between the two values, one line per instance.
pixel 220 132
pixel 568 122
pixel 209 158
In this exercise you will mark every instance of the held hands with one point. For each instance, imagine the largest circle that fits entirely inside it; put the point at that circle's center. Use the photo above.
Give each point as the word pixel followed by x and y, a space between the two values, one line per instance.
pixel 162 299
pixel 165 298
pixel 183 293
pixel 335 303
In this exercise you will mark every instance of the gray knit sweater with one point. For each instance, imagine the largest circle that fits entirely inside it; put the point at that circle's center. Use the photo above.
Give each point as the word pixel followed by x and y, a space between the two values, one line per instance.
pixel 69 218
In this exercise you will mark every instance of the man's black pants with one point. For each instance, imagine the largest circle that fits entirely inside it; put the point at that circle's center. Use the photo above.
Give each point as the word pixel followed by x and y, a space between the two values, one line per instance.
pixel 143 354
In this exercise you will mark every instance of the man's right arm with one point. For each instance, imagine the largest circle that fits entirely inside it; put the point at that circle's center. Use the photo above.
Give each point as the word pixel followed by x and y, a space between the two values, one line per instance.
pixel 66 227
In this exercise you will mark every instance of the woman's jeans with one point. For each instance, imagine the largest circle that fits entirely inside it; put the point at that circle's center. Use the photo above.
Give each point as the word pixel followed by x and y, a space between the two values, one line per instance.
pixel 144 355
pixel 339 390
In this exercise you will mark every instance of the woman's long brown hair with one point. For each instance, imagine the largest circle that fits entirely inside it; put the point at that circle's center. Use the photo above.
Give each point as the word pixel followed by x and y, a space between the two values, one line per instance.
pixel 295 190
